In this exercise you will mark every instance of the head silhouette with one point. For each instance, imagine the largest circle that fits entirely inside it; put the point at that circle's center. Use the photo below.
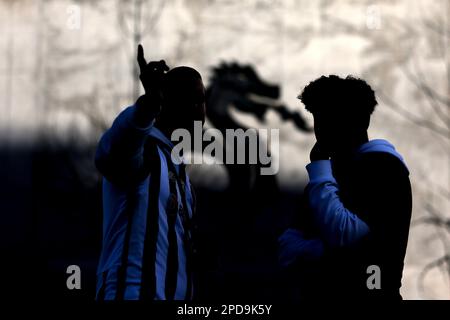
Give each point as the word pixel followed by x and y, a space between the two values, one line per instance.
pixel 183 100
pixel 341 109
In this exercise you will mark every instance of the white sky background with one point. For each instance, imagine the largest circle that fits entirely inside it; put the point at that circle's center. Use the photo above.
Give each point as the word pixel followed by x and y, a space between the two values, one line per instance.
pixel 59 72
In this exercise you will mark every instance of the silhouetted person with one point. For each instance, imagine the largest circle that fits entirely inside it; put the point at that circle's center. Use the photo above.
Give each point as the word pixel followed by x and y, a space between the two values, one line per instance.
pixel 359 199
pixel 148 202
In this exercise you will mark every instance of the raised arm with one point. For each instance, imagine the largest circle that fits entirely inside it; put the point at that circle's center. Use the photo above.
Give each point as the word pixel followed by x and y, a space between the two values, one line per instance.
pixel 119 155
pixel 338 226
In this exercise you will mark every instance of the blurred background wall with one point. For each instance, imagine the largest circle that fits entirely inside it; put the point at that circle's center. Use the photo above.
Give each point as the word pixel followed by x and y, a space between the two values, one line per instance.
pixel 68 67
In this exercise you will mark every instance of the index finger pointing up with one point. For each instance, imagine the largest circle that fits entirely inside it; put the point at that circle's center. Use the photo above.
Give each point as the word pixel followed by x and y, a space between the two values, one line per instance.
pixel 140 57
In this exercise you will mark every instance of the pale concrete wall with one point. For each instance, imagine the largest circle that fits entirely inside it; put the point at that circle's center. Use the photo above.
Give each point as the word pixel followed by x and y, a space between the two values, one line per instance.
pixel 58 72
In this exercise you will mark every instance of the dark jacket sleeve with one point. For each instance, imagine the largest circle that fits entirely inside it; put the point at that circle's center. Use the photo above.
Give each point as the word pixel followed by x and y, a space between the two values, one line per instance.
pixel 386 205
pixel 338 226
pixel 386 197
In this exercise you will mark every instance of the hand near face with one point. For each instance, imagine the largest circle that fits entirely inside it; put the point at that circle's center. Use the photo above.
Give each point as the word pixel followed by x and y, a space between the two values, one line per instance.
pixel 319 152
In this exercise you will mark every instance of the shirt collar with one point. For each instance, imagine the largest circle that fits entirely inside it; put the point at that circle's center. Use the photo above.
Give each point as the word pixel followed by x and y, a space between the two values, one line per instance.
pixel 156 133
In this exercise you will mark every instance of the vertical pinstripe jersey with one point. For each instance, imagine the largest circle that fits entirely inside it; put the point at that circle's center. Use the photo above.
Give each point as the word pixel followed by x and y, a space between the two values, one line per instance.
pixel 145 254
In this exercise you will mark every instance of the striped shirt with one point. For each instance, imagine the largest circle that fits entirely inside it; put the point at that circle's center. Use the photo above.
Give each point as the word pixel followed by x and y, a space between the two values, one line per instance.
pixel 147 204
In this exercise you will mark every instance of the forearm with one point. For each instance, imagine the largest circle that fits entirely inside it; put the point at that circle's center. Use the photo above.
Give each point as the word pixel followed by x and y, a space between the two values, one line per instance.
pixel 146 109
pixel 338 226
pixel 294 247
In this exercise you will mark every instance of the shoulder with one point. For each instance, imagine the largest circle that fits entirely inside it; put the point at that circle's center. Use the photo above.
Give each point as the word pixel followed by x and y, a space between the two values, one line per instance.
pixel 382 163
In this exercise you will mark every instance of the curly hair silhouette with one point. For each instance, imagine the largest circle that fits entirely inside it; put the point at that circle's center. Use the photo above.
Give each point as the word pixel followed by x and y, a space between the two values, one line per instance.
pixel 347 97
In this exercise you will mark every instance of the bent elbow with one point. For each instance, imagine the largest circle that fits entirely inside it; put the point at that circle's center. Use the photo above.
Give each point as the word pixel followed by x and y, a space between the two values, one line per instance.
pixel 351 234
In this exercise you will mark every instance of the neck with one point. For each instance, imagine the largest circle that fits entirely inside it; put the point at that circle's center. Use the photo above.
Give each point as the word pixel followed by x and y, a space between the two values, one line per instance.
pixel 350 146
pixel 166 130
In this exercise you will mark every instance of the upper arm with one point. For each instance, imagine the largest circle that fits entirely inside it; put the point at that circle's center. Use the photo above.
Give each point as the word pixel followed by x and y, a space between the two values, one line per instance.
pixel 120 151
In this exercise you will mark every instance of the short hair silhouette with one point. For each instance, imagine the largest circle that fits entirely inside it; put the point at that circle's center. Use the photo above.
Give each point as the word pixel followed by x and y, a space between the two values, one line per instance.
pixel 179 82
pixel 183 101
pixel 345 98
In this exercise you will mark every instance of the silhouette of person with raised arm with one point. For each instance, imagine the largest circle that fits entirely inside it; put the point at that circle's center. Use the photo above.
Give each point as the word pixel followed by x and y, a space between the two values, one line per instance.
pixel 148 202
pixel 353 242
